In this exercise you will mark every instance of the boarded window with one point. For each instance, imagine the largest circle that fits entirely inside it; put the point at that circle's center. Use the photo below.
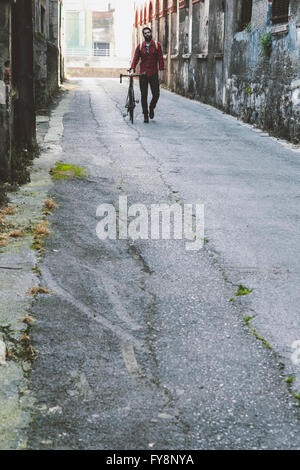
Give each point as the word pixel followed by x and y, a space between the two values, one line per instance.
pixel 245 14
pixel 280 11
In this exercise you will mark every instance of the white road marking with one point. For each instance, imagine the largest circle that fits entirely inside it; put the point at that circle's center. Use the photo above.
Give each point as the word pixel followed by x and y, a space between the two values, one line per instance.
pixel 130 360
pixel 128 353
pixel 2 352
pixel 94 316
pixel 116 302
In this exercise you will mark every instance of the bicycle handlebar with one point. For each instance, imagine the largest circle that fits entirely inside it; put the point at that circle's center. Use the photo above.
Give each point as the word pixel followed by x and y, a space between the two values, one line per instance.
pixel 129 76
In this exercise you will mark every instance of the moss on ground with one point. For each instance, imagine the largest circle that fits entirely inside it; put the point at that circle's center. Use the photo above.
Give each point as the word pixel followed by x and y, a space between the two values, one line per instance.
pixel 242 290
pixel 64 171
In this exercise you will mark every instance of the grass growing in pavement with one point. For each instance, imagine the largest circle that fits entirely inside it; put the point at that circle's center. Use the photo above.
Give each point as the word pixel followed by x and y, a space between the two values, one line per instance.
pixel 38 290
pixel 242 290
pixel 290 380
pixel 63 171
pixel 18 349
pixel 49 206
pixel 260 338
pixel 4 239
pixel 247 320
pixel 8 210
pixel 41 231
pixel 28 320
pixel 16 234
pixel 4 227
pixel 224 274
pixel 36 271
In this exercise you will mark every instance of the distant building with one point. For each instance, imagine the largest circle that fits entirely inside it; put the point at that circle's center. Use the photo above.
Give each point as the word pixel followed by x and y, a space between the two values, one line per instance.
pixel 98 35
pixel 89 28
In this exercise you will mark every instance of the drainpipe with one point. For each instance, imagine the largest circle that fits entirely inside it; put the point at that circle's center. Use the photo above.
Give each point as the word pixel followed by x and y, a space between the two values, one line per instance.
pixel 190 26
pixel 169 51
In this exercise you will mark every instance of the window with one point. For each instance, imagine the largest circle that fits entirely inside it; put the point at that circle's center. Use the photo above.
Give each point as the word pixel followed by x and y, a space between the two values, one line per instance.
pixel 156 8
pixel 43 20
pixel 220 28
pixel 150 11
pixel 280 11
pixel 72 29
pixel 200 14
pixel 101 48
pixel 165 7
pixel 244 14
pixel 172 6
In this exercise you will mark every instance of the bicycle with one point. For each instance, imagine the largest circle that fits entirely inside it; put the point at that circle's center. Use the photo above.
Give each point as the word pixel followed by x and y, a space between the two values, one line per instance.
pixel 130 101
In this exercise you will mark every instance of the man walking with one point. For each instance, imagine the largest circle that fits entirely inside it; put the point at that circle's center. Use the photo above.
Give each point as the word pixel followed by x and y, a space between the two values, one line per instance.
pixel 151 56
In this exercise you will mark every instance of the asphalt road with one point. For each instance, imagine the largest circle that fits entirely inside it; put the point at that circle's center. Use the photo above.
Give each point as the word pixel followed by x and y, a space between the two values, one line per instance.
pixel 139 345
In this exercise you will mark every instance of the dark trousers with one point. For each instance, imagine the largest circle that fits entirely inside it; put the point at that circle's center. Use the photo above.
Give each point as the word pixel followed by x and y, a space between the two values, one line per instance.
pixel 154 85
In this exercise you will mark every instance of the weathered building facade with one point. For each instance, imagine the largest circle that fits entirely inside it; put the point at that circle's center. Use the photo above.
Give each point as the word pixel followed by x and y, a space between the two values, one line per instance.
pixel 242 56
pixel 48 68
pixel 29 74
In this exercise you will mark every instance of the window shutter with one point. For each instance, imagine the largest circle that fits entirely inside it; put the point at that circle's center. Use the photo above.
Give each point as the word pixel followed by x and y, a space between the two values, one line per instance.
pixel 280 11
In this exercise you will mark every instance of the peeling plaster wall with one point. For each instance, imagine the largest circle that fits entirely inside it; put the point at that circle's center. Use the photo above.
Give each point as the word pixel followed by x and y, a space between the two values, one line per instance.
pixel 266 91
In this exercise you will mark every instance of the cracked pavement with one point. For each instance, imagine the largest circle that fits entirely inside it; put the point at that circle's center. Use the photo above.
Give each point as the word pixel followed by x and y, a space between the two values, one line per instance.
pixel 139 346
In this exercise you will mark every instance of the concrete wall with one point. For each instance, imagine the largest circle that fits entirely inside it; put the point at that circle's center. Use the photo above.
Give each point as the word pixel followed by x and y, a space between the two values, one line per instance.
pixel 218 64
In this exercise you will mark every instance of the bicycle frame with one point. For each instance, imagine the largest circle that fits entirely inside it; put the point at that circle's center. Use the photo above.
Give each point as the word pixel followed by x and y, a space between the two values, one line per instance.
pixel 130 101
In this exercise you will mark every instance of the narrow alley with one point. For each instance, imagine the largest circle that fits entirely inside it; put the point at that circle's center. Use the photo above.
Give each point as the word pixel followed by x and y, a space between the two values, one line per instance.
pixel 142 344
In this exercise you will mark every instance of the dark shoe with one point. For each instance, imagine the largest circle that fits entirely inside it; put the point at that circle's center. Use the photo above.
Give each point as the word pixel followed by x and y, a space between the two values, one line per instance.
pixel 151 113
pixel 146 118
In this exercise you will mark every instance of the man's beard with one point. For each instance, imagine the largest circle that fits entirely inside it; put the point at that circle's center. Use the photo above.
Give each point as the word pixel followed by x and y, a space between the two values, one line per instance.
pixel 148 39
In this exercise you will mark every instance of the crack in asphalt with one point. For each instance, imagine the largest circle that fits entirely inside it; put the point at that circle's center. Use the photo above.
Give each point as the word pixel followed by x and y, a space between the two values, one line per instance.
pixel 139 139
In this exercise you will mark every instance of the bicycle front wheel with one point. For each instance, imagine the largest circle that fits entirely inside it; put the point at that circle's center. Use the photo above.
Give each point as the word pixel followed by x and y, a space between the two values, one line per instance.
pixel 131 104
pixel 131 115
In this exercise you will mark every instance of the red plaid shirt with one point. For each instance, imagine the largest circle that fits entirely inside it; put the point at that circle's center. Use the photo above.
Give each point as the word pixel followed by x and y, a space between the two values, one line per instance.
pixel 148 60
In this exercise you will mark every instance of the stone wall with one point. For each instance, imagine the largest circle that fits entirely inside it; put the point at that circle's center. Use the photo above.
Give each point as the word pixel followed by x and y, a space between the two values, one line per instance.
pixel 46 51
pixel 29 40
pixel 5 12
